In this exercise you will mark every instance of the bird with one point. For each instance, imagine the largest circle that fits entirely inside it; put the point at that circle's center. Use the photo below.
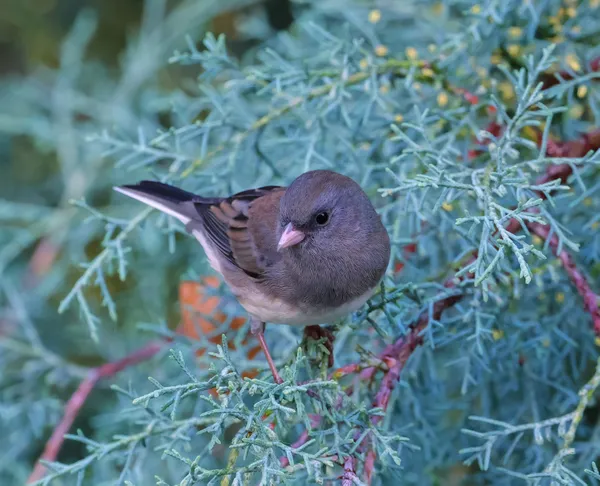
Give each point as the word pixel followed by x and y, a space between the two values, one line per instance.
pixel 303 255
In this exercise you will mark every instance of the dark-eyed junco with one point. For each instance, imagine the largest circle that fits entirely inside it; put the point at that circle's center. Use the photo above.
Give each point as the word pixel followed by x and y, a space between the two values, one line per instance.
pixel 303 255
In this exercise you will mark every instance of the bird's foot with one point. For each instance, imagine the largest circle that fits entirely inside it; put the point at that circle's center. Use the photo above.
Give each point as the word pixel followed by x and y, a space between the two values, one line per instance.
pixel 258 329
pixel 317 333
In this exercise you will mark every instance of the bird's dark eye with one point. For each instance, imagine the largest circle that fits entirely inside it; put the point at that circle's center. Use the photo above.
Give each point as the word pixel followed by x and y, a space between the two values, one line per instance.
pixel 322 218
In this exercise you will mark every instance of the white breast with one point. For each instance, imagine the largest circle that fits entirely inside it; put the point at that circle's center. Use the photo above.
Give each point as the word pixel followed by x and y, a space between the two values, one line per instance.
pixel 278 312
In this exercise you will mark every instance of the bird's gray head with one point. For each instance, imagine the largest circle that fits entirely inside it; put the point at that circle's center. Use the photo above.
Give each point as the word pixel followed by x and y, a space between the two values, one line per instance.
pixel 332 240
pixel 323 211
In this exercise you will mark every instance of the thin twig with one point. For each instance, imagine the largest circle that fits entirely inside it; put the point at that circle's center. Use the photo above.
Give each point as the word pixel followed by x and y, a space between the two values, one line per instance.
pixel 79 397
pixel 396 66
pixel 586 394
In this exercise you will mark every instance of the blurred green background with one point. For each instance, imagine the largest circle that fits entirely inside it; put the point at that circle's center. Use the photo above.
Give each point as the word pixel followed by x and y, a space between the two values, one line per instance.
pixel 32 33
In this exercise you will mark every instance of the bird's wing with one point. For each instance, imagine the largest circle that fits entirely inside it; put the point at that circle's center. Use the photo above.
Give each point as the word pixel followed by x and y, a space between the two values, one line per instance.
pixel 242 227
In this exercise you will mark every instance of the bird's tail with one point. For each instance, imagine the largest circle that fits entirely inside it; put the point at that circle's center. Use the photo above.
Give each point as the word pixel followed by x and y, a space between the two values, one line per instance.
pixel 168 199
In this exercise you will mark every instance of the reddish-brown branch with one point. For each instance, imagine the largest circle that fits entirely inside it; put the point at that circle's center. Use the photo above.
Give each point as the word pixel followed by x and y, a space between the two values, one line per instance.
pixel 315 421
pixel 395 356
pixel 345 370
pixel 400 352
pixel 366 369
pixel 404 347
pixel 370 465
pixel 79 397
pixel 349 471
pixel 573 148
pixel 590 298
pixel 303 439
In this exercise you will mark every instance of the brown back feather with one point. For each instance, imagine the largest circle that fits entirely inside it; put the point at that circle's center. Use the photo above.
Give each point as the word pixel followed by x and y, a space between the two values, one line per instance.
pixel 243 227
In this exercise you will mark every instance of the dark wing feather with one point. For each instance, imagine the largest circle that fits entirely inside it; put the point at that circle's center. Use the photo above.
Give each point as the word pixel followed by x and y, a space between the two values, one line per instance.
pixel 227 225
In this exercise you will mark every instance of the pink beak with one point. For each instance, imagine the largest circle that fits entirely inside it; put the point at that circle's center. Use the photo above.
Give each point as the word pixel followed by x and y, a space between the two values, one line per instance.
pixel 290 237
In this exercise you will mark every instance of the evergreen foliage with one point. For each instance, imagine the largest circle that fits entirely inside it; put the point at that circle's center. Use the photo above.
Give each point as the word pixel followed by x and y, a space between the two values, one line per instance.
pixel 471 127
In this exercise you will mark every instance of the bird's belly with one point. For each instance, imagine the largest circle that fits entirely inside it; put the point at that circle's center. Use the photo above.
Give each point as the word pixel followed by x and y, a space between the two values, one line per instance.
pixel 279 312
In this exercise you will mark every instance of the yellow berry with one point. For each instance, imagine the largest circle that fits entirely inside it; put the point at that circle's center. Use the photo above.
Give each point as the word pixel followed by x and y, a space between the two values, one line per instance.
pixel 506 90
pixel 560 297
pixel 364 64
pixel 537 240
pixel 573 62
pixel 381 50
pixel 427 72
pixel 476 9
pixel 440 124
pixel 374 16
pixel 365 146
pixel 398 118
pixel 496 59
pixel 446 206
pixel 442 99
pixel 411 53
pixel 437 8
pixel 597 341
pixel 497 334
pixel 576 111
pixel 530 133
pixel 582 91
pixel 571 12
pixel 464 132
pixel 384 88
pixel 588 201
pixel 514 50
pixel 432 48
pixel 515 32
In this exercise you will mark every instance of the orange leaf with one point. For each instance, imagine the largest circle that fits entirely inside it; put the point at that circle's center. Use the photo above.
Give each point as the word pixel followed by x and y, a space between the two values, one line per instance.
pixel 196 306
